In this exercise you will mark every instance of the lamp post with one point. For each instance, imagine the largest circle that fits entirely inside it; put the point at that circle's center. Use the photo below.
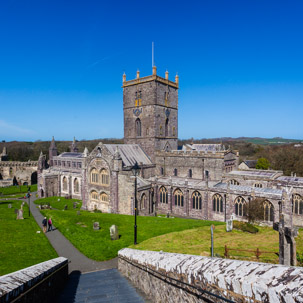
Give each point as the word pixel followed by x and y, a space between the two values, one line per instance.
pixel 29 202
pixel 135 170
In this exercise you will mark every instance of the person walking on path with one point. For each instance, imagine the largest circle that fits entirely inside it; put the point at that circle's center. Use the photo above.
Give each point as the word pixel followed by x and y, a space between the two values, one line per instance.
pixel 50 225
pixel 44 224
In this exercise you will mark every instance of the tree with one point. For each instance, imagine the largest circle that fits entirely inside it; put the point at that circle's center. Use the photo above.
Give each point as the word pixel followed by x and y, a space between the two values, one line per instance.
pixel 262 163
pixel 255 210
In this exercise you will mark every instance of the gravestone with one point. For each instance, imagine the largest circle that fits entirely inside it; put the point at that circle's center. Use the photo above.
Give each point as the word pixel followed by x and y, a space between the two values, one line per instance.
pixel 16 210
pixel 9 205
pixel 167 215
pixel 20 214
pixel 96 226
pixel 155 214
pixel 75 205
pixel 65 207
pixel 229 225
pixel 114 233
pixel 78 213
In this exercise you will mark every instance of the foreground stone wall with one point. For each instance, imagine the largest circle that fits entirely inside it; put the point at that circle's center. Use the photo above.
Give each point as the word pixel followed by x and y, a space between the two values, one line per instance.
pixel 167 277
pixel 38 283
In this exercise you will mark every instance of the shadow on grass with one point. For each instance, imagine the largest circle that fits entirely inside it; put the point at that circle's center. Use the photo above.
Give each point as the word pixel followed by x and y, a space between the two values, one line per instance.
pixel 6 202
pixel 68 294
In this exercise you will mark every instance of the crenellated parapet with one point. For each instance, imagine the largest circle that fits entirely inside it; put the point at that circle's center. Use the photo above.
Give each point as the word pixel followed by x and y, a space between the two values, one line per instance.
pixel 19 164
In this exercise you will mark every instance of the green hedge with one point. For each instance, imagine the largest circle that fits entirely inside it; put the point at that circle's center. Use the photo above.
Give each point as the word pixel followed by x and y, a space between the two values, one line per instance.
pixel 246 227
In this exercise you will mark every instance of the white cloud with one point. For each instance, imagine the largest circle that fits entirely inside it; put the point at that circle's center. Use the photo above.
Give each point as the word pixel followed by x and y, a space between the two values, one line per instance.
pixel 7 129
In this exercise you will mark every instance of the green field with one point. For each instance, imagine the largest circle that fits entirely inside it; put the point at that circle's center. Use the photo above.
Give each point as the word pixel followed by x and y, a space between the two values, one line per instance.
pixel 17 189
pixel 97 245
pixel 20 244
pixel 59 202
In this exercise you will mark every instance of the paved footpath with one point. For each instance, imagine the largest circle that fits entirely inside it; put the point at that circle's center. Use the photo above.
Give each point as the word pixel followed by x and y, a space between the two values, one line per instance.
pixel 64 248
pixel 89 281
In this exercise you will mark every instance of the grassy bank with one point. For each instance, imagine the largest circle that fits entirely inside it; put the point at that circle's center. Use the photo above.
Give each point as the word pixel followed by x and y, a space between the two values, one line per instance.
pixel 59 202
pixel 17 189
pixel 198 242
pixel 20 244
pixel 97 245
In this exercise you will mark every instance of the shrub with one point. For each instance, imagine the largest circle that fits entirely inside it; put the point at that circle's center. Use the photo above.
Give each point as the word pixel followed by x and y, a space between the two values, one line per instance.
pixel 246 227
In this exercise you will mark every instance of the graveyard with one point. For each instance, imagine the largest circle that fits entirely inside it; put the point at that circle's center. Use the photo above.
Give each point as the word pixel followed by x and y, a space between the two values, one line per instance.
pixel 22 242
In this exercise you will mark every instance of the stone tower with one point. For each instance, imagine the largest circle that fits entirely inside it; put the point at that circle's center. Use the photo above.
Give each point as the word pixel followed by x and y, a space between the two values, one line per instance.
pixel 150 106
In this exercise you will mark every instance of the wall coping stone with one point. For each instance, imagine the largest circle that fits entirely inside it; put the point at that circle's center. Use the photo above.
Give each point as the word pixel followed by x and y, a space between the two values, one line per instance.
pixel 14 284
pixel 252 281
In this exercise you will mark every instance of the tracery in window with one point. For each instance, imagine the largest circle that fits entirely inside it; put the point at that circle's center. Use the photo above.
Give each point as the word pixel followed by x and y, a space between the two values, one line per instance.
pixel 104 197
pixel 94 176
pixel 217 203
pixel 163 195
pixel 240 207
pixel 104 177
pixel 179 199
pixel 94 195
pixel 297 204
pixel 197 200
pixel 268 211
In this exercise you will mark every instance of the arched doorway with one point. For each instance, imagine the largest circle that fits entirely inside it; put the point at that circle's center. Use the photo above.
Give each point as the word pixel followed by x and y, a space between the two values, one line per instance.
pixel 34 178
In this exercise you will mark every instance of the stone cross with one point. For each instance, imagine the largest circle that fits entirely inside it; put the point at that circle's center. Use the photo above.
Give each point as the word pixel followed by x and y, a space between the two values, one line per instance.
pixel 287 243
pixel 114 233
pixel 96 226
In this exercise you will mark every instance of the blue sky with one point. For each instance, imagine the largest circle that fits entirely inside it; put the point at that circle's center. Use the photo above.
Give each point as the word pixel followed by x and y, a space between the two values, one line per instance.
pixel 240 65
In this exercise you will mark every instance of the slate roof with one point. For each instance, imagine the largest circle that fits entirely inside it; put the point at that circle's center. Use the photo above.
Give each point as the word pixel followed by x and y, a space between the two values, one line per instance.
pixel 298 180
pixel 262 190
pixel 256 173
pixel 251 163
pixel 130 154
pixel 71 155
pixel 204 147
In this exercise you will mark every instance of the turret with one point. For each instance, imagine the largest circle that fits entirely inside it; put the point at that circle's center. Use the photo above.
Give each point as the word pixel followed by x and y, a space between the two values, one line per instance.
pixel 73 147
pixel 53 152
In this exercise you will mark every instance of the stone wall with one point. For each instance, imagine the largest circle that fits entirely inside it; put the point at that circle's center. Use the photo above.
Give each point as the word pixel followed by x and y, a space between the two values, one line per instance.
pixel 167 277
pixel 38 283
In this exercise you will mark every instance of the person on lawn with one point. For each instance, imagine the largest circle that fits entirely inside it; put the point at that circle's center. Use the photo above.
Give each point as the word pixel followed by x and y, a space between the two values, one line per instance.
pixel 50 225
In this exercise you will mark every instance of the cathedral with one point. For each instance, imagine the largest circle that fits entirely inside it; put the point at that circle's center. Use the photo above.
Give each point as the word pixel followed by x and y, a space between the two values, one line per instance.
pixel 201 181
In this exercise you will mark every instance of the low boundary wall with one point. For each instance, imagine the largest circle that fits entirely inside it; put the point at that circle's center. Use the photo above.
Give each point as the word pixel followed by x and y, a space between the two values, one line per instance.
pixel 38 283
pixel 169 277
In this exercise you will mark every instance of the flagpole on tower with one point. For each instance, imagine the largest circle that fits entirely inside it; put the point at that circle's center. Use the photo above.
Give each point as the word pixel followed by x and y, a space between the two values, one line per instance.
pixel 153 63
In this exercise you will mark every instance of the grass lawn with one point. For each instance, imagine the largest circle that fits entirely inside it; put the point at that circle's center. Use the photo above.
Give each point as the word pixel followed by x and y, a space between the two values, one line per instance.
pixel 97 245
pixel 20 245
pixel 198 242
pixel 17 189
pixel 59 202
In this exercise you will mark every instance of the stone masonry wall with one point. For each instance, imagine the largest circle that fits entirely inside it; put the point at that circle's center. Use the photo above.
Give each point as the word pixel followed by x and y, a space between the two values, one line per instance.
pixel 159 276
pixel 38 283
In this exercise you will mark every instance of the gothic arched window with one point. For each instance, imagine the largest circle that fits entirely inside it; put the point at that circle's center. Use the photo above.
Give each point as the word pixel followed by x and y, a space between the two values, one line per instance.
pixel 297 204
pixel 240 207
pixel 76 186
pixel 104 177
pixel 64 181
pixel 234 182
pixel 197 200
pixel 138 127
pixel 94 195
pixel 218 203
pixel 179 199
pixel 166 128
pixel 163 195
pixel 94 176
pixel 268 211
pixel 143 202
pixel 104 197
